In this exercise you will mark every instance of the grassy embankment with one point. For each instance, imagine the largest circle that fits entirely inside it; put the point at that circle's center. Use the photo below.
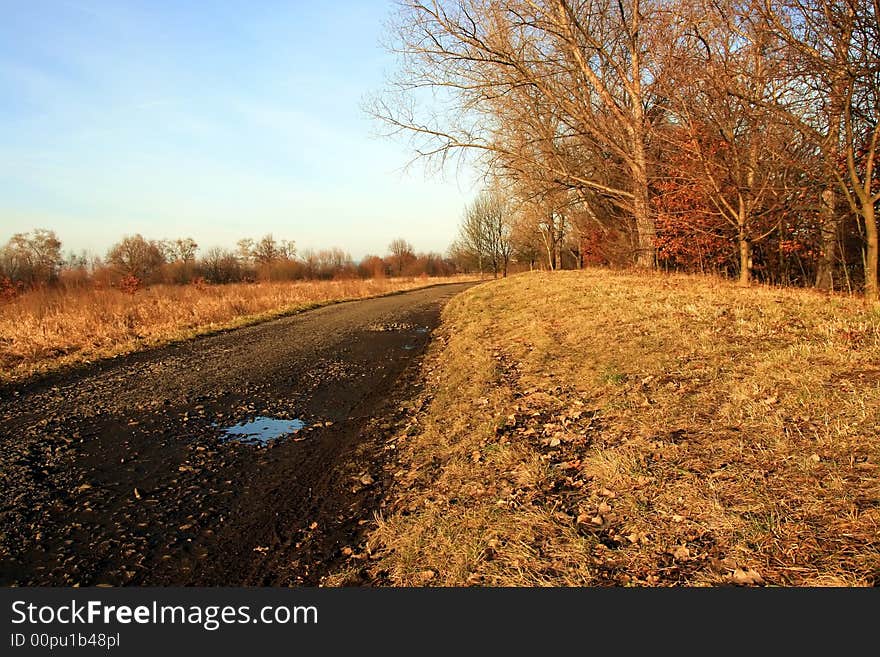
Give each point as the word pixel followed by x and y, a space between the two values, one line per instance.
pixel 602 428
pixel 46 329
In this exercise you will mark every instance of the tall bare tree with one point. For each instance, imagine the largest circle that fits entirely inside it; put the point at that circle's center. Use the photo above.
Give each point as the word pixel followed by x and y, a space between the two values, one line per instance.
pixel 533 85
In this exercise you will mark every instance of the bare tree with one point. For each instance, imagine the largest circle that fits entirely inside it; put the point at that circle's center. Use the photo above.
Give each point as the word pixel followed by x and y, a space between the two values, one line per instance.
pixel 287 249
pixel 136 256
pixel 526 241
pixel 31 258
pixel 401 253
pixel 184 250
pixel 719 75
pixel 266 250
pixel 533 85
pixel 245 250
pixel 484 235
pixel 220 265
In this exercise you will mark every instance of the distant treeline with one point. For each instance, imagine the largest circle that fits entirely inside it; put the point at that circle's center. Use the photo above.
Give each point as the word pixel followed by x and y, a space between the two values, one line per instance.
pixel 36 259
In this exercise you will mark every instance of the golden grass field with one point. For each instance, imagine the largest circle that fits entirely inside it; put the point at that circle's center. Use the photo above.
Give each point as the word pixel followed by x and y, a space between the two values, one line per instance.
pixel 601 428
pixel 49 328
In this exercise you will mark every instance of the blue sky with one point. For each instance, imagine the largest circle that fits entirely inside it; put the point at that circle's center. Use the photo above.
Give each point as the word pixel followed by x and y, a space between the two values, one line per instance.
pixel 215 120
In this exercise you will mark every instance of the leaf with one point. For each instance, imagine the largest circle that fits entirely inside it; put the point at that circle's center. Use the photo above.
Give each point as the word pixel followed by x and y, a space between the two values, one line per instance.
pixel 682 553
pixel 747 577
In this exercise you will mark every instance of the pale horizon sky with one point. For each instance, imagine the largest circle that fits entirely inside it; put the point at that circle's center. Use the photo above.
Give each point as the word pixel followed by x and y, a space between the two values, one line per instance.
pixel 215 121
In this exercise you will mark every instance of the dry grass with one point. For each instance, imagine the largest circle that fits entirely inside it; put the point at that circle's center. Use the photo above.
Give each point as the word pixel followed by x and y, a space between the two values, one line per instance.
pixel 47 329
pixel 598 428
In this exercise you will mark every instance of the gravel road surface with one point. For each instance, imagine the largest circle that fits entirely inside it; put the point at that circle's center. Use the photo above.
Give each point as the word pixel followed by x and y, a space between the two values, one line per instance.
pixel 123 473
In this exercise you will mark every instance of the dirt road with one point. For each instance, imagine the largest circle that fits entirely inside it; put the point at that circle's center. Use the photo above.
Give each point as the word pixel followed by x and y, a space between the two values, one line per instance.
pixel 125 474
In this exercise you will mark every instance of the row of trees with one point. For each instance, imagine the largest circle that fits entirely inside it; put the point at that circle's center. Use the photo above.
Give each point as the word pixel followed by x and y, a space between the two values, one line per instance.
pixel 33 259
pixel 727 135
pixel 484 240
pixel 496 236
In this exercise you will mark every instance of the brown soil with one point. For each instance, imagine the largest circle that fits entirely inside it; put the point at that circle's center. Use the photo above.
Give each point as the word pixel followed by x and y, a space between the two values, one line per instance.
pixel 118 473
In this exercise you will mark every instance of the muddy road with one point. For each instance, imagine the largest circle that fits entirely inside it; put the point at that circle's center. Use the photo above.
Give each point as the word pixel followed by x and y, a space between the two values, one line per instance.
pixel 126 473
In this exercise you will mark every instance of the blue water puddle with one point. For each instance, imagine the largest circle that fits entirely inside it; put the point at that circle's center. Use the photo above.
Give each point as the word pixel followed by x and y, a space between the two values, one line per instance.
pixel 422 329
pixel 262 430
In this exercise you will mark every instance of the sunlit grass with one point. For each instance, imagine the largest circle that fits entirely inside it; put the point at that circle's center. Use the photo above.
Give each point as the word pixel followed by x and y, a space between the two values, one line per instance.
pixel 48 328
pixel 600 428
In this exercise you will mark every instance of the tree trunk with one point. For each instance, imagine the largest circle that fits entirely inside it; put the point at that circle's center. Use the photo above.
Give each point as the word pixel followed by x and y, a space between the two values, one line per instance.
pixel 557 251
pixel 550 243
pixel 645 231
pixel 745 246
pixel 646 256
pixel 745 260
pixel 829 223
pixel 871 256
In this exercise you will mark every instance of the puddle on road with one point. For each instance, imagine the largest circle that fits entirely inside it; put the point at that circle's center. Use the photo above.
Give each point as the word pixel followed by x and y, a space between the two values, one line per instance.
pixel 262 430
pixel 422 329
pixel 409 347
